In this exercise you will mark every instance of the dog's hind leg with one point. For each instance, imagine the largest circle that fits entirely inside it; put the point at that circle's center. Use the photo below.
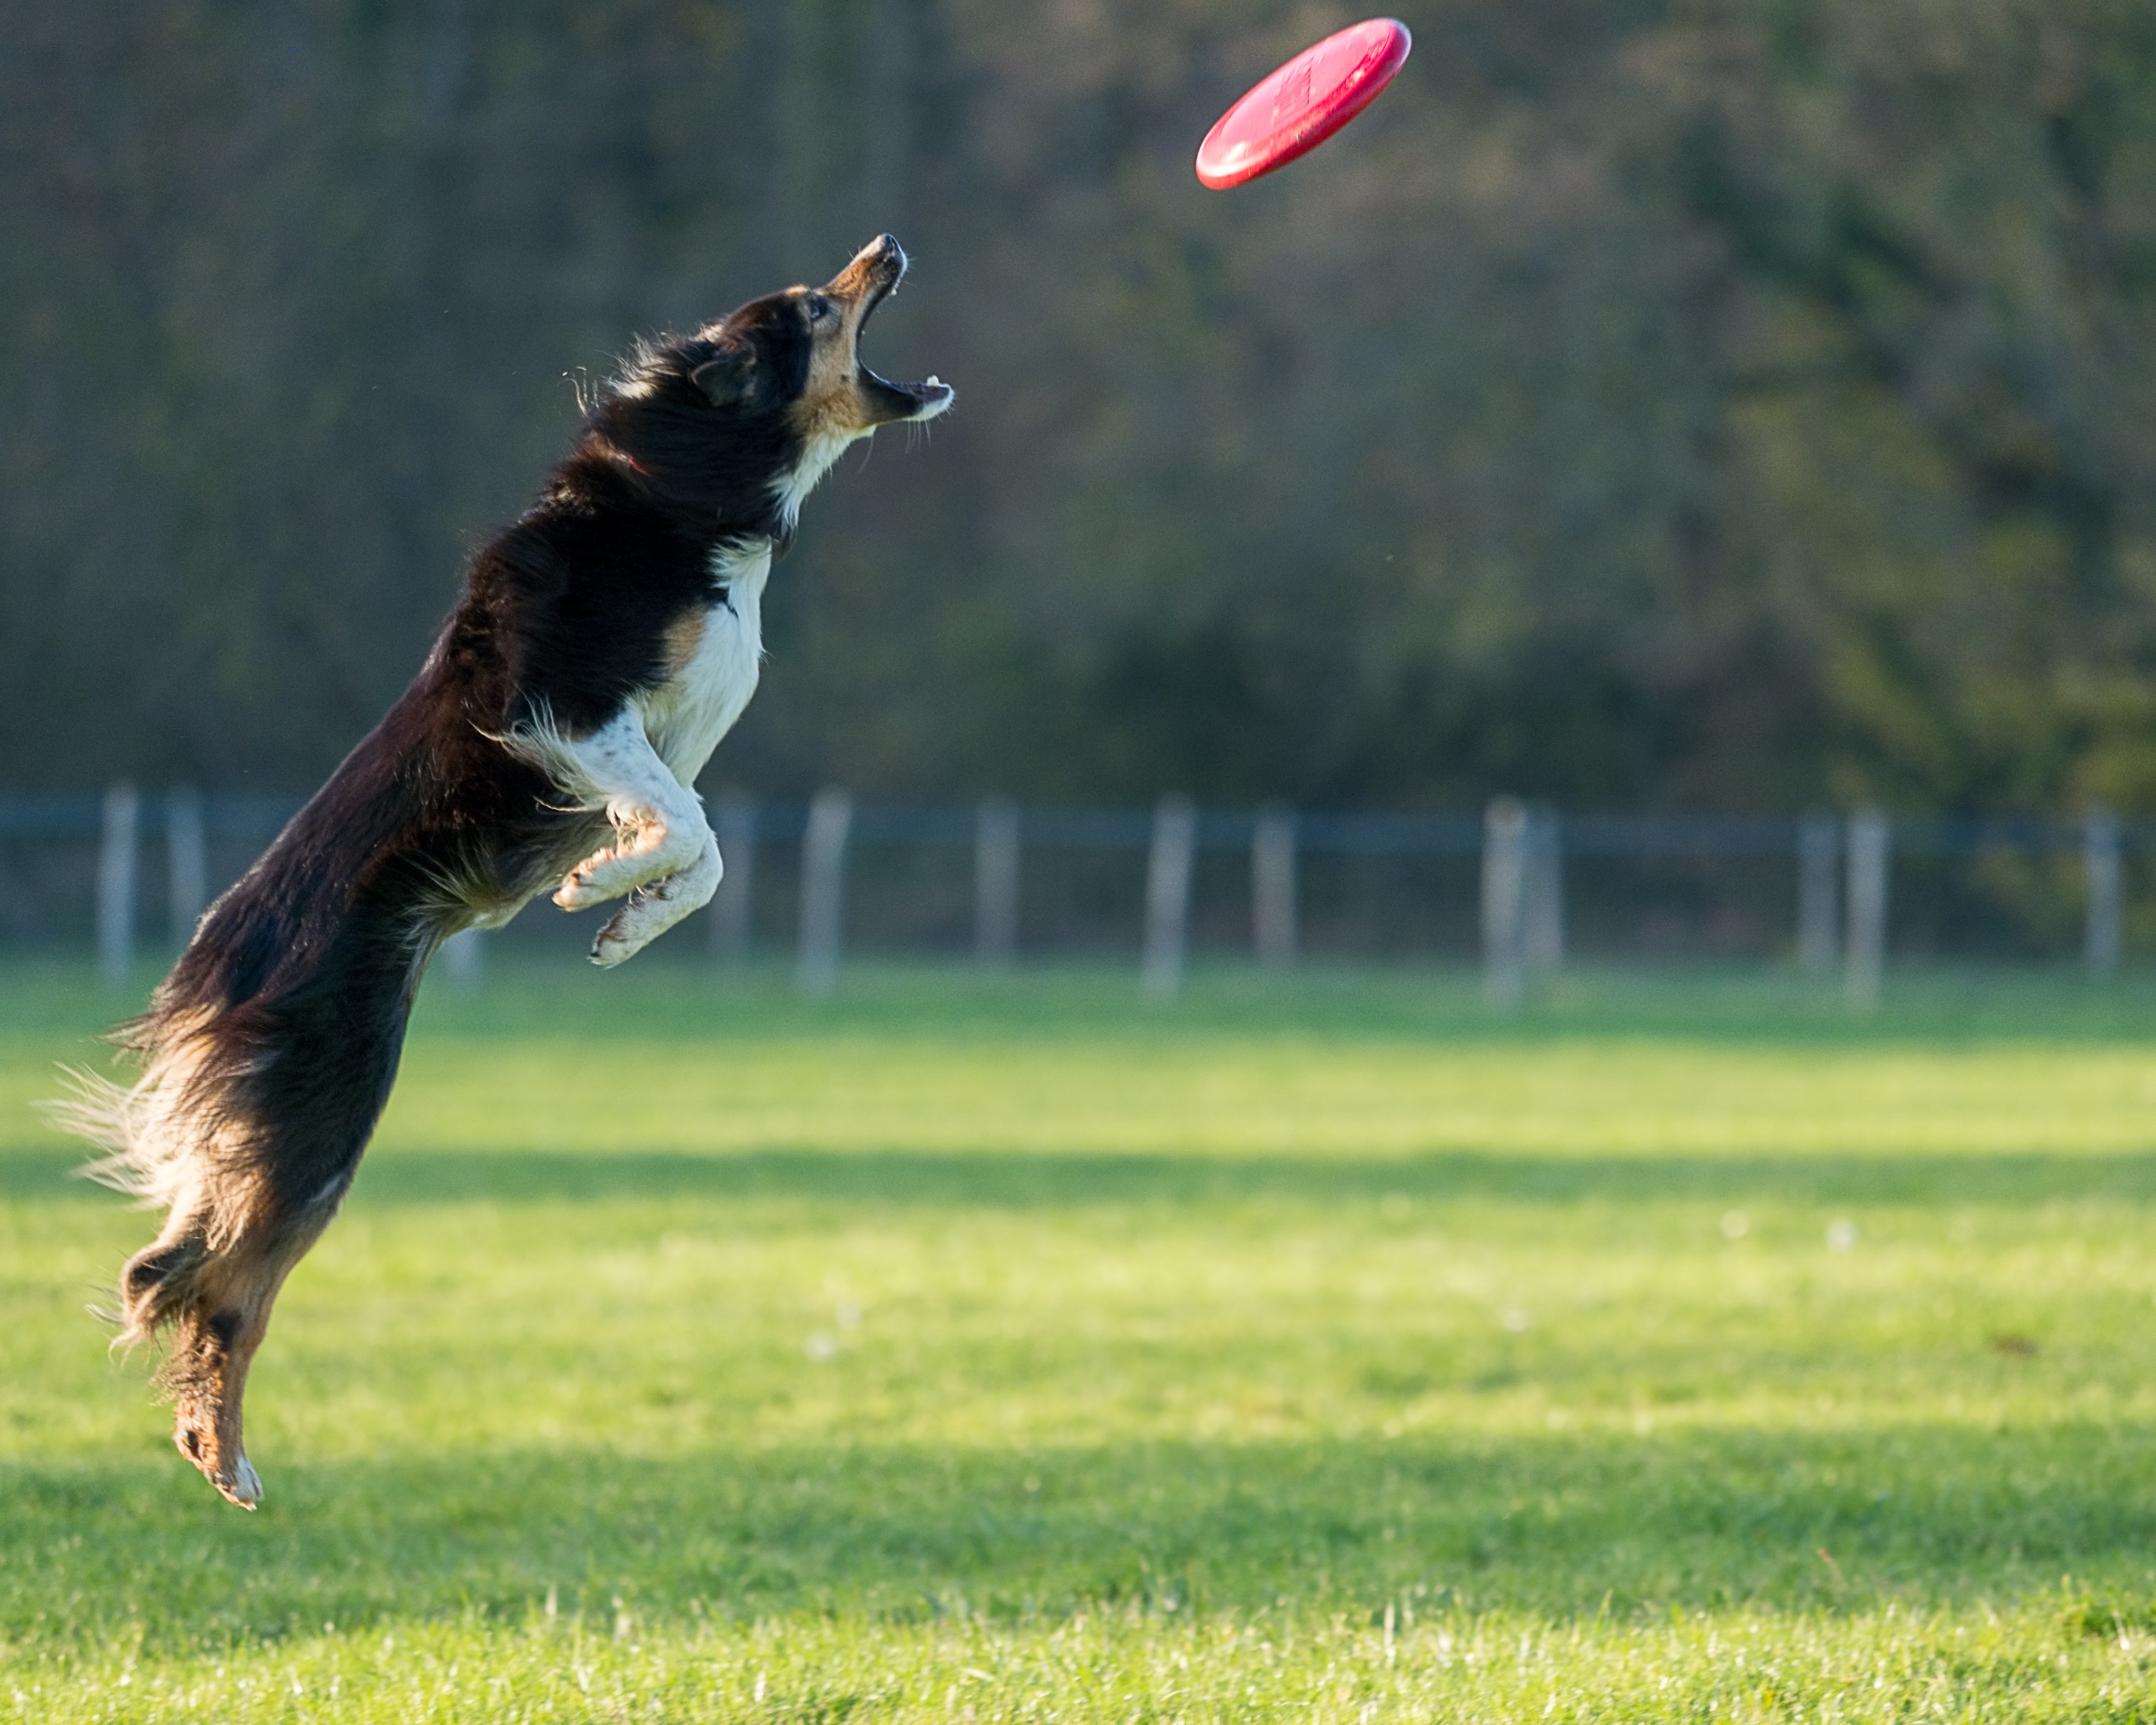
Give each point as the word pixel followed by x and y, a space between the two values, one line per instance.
pixel 246 1130
pixel 216 1301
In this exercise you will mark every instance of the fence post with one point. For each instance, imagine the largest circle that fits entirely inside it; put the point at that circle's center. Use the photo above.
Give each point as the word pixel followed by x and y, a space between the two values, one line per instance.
pixel 1542 906
pixel 1865 958
pixel 463 959
pixel 1819 850
pixel 2100 861
pixel 1504 903
pixel 823 888
pixel 733 824
pixel 995 883
pixel 1272 887
pixel 1168 895
pixel 115 885
pixel 187 861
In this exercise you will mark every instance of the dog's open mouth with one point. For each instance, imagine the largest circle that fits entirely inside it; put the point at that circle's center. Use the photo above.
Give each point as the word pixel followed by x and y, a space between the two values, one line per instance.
pixel 927 398
pixel 873 277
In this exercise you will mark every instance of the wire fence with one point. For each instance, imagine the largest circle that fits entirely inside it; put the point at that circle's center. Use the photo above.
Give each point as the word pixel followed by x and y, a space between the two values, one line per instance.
pixel 1520 888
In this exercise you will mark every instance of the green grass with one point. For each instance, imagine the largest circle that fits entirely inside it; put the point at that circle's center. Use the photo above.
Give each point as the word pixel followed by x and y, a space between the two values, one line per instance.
pixel 979 1349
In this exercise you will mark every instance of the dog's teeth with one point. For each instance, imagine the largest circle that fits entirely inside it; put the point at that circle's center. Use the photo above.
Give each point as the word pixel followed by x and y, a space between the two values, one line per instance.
pixel 933 381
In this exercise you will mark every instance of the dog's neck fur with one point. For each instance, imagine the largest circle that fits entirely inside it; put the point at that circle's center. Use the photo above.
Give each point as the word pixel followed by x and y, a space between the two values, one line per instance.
pixel 817 457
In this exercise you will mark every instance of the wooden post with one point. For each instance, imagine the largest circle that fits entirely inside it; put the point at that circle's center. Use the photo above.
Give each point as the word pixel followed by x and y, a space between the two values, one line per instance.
pixel 2101 863
pixel 1504 903
pixel 187 862
pixel 823 888
pixel 1819 850
pixel 733 824
pixel 996 858
pixel 1542 908
pixel 463 959
pixel 1169 872
pixel 1272 887
pixel 115 885
pixel 1864 957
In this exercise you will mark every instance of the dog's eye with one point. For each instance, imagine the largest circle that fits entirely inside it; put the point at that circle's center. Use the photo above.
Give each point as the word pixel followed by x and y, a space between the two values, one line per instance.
pixel 820 310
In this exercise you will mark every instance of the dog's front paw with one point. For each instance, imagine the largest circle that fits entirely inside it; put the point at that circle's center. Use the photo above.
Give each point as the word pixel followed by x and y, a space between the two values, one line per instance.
pixel 654 909
pixel 650 854
pixel 578 891
pixel 624 936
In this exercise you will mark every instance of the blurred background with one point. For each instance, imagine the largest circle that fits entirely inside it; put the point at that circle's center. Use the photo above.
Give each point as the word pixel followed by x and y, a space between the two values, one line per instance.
pixel 1717 409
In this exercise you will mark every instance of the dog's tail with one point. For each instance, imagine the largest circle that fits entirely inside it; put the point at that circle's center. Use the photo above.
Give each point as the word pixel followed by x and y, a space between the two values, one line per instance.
pixel 175 1139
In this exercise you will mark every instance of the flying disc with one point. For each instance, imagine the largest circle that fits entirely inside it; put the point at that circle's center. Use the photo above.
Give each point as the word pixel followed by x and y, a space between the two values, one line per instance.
pixel 1303 103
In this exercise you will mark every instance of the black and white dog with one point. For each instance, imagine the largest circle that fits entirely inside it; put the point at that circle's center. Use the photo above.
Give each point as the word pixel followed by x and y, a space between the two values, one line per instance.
pixel 603 646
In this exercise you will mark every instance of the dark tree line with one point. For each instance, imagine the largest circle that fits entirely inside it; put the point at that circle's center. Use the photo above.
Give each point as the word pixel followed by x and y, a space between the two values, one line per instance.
pixel 1730 404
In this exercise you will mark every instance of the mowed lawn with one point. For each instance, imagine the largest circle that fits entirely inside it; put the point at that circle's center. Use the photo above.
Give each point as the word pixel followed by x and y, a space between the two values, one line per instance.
pixel 978 1349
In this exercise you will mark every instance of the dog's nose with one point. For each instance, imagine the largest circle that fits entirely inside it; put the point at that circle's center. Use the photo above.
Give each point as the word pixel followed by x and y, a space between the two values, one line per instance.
pixel 875 270
pixel 883 252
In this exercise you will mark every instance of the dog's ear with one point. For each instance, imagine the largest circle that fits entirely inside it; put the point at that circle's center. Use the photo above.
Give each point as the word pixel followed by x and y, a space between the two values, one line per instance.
pixel 728 378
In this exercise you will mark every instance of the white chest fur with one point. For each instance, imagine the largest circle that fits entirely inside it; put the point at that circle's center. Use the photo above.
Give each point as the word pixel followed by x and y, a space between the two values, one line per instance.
pixel 685 716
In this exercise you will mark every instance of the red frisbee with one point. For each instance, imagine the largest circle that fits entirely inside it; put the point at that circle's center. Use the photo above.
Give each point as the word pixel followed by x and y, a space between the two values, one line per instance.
pixel 1303 103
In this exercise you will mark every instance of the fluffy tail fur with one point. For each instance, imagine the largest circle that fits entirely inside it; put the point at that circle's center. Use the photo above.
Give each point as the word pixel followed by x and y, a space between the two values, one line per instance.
pixel 166 1138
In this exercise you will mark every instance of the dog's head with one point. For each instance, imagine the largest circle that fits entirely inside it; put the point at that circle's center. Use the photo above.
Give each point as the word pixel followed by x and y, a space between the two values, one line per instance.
pixel 798 353
pixel 777 386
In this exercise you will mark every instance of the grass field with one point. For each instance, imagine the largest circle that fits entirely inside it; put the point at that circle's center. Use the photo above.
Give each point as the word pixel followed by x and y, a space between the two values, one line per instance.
pixel 1005 1349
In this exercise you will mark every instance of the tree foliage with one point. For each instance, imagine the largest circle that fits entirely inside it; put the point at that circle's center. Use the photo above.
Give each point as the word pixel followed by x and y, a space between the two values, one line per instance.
pixel 1727 404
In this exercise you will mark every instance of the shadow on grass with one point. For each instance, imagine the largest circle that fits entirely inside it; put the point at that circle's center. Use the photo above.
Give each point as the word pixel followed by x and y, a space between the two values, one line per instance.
pixel 670 995
pixel 999 1181
pixel 924 1179
pixel 1561 1526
